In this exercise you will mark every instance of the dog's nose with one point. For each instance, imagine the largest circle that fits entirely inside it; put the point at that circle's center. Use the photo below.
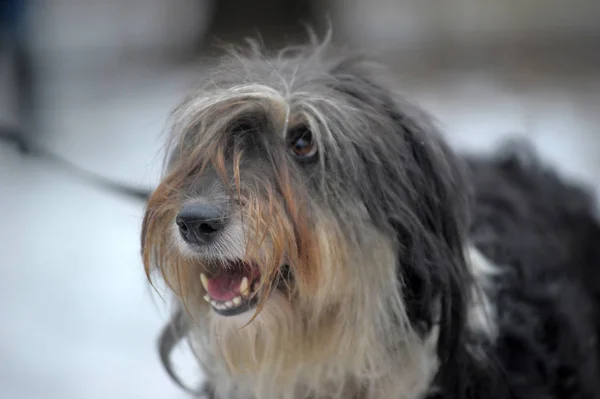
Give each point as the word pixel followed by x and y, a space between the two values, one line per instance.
pixel 199 224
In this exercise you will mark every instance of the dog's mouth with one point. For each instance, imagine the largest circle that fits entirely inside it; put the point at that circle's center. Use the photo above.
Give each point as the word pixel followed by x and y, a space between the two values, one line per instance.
pixel 232 289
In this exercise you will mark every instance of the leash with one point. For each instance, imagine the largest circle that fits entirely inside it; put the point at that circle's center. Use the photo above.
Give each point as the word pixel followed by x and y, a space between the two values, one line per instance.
pixel 171 335
pixel 30 148
pixel 178 326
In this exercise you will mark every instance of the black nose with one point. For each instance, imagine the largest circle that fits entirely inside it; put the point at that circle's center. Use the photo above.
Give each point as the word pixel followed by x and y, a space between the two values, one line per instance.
pixel 199 224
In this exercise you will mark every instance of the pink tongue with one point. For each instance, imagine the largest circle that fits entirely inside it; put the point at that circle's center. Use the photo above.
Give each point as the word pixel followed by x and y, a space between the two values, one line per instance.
pixel 225 286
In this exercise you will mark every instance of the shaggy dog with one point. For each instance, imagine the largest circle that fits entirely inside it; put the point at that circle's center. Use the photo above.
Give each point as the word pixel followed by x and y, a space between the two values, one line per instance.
pixel 324 242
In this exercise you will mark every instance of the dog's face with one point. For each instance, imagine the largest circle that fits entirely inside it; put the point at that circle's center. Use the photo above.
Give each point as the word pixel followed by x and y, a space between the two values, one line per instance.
pixel 305 211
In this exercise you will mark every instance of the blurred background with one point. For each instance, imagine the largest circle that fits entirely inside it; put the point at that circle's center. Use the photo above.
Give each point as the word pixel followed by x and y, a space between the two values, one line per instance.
pixel 94 80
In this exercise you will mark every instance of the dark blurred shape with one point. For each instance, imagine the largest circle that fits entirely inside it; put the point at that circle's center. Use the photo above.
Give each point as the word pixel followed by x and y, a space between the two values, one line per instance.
pixel 276 22
pixel 13 47
pixel 11 17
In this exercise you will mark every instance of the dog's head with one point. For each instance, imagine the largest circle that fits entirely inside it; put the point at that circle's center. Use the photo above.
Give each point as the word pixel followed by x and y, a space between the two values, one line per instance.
pixel 306 210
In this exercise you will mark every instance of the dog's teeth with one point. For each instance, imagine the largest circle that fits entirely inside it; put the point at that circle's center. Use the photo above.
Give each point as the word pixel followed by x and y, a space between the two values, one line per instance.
pixel 237 301
pixel 228 304
pixel 215 304
pixel 204 281
pixel 206 298
pixel 244 287
pixel 255 287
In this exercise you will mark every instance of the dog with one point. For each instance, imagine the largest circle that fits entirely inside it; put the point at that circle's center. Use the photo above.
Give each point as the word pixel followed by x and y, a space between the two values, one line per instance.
pixel 321 240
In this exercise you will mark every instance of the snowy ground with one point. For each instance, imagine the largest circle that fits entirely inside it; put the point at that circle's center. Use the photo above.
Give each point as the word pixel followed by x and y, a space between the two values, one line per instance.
pixel 79 320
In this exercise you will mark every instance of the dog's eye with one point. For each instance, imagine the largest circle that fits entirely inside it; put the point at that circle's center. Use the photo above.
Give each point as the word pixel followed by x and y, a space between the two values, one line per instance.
pixel 302 143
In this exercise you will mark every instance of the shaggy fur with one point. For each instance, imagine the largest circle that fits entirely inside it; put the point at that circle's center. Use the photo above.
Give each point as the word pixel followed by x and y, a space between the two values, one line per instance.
pixel 389 266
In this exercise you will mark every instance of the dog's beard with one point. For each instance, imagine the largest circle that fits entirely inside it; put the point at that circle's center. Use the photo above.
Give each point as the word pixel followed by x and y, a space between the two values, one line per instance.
pixel 327 329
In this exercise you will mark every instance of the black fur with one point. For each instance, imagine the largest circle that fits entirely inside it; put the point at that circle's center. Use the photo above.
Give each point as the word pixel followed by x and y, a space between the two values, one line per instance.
pixel 542 232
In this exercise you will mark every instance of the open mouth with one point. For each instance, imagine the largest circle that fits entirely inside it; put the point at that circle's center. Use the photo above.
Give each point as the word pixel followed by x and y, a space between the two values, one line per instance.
pixel 233 290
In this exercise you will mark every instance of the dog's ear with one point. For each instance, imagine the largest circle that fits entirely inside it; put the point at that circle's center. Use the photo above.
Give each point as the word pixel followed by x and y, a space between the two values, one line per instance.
pixel 432 264
pixel 419 192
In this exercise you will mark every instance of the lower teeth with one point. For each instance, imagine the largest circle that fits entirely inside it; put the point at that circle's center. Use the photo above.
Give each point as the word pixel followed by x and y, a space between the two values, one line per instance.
pixel 235 302
pixel 232 303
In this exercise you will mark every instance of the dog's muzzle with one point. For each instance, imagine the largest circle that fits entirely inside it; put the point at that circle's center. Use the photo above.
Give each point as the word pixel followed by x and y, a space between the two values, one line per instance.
pixel 231 284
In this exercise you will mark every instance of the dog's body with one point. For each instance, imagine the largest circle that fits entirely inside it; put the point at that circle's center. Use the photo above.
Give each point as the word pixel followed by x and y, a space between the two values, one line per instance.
pixel 346 252
pixel 542 236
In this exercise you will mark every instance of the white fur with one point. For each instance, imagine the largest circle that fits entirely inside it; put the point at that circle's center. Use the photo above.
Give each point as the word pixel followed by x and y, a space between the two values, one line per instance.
pixel 482 313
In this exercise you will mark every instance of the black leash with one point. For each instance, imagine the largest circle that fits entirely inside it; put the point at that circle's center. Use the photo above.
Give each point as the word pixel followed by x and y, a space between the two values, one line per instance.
pixel 29 148
pixel 178 326
pixel 171 335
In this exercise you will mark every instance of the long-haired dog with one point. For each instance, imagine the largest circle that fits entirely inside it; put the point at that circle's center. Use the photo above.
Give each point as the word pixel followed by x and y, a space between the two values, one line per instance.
pixel 325 242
